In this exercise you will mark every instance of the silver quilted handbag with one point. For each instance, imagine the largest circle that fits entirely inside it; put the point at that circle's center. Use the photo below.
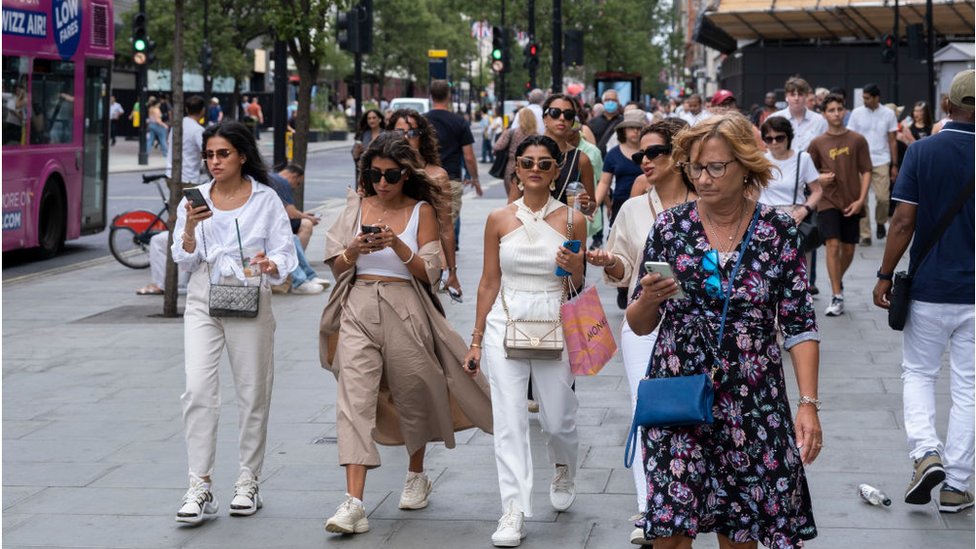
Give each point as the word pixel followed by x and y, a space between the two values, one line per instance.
pixel 234 301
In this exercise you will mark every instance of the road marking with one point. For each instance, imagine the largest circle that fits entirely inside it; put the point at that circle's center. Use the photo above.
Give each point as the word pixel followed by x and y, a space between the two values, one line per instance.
pixel 59 270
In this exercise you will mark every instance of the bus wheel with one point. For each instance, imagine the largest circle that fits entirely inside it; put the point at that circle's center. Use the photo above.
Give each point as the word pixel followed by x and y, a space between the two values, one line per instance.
pixel 52 222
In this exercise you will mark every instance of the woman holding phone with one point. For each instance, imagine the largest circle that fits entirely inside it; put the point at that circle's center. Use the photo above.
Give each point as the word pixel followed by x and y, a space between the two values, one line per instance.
pixel 525 244
pixel 739 264
pixel 397 360
pixel 239 234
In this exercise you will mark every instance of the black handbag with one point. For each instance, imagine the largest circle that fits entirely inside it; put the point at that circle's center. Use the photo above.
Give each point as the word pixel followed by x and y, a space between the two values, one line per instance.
pixel 682 400
pixel 900 296
pixel 501 161
pixel 809 230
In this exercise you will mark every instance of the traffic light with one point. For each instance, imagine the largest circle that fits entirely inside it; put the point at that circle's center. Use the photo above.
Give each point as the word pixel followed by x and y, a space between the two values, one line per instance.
pixel 573 48
pixel 150 51
pixel 365 31
pixel 531 56
pixel 206 57
pixel 888 48
pixel 497 49
pixel 916 41
pixel 347 30
pixel 140 38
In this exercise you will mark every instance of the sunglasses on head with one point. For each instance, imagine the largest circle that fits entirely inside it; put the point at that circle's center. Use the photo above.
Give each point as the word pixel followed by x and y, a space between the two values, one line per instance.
pixel 221 153
pixel 544 164
pixel 774 138
pixel 391 175
pixel 650 153
pixel 568 114
pixel 713 284
pixel 411 133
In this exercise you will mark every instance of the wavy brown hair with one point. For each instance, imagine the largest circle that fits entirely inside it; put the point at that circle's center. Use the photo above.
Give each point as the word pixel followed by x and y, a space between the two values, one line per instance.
pixel 667 129
pixel 429 149
pixel 416 183
pixel 736 131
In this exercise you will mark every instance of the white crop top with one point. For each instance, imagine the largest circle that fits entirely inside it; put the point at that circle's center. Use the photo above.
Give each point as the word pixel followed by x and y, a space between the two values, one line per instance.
pixel 385 262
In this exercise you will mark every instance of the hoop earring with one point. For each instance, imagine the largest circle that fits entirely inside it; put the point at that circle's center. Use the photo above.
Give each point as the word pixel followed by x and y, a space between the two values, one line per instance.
pixel 552 185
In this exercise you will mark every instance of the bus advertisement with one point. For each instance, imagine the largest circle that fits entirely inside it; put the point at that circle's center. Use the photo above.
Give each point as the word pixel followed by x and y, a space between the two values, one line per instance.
pixel 57 67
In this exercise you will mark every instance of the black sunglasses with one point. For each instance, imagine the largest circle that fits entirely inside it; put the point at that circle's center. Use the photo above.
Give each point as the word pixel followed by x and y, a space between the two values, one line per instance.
pixel 411 133
pixel 775 138
pixel 568 114
pixel 222 153
pixel 392 175
pixel 651 153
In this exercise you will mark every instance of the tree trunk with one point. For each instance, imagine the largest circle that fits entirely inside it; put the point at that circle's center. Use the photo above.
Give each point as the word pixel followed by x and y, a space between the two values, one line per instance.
pixel 175 182
pixel 307 74
pixel 236 100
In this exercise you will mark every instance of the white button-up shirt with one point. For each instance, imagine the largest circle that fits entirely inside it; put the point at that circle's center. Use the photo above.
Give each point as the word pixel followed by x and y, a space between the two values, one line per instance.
pixel 875 126
pixel 812 125
pixel 692 118
pixel 192 147
pixel 264 226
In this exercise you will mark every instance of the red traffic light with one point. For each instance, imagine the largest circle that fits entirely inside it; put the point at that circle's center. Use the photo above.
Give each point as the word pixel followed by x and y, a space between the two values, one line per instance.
pixel 533 49
pixel 888 41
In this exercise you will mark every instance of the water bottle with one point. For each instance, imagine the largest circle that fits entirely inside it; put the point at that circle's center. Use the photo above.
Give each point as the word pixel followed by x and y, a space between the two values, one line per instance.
pixel 573 190
pixel 872 495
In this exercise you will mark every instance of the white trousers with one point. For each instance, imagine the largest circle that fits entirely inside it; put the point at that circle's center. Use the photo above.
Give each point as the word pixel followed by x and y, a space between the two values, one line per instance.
pixel 157 262
pixel 250 348
pixel 552 387
pixel 636 352
pixel 931 328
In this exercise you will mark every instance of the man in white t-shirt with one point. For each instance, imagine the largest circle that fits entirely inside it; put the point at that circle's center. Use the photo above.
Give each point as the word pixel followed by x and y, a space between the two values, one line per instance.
pixel 807 124
pixel 115 112
pixel 879 126
pixel 693 112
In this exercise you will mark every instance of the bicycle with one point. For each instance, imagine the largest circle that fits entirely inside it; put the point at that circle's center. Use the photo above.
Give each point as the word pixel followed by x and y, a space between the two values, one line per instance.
pixel 131 231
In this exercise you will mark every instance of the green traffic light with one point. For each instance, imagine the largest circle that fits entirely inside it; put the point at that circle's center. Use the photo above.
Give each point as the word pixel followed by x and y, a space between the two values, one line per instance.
pixel 496 54
pixel 139 45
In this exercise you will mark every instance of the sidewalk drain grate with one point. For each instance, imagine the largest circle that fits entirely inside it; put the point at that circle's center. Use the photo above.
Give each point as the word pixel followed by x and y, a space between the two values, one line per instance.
pixel 324 440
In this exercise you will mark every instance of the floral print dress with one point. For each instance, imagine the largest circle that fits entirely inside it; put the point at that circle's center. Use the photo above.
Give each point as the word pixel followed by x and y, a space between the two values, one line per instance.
pixel 741 476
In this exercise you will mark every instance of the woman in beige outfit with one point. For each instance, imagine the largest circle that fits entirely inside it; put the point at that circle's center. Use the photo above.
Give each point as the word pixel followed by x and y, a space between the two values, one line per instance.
pixel 401 378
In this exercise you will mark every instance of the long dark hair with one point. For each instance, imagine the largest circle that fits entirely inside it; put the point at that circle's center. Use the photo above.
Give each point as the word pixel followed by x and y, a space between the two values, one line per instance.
pixel 540 141
pixel 926 114
pixel 429 151
pixel 667 129
pixel 243 140
pixel 416 183
pixel 363 125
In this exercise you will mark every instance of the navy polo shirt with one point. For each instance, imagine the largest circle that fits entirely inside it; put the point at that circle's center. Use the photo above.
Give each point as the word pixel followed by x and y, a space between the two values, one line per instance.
pixel 934 172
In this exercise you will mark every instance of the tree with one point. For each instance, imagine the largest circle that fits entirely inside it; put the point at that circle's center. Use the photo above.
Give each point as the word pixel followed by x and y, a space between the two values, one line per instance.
pixel 176 154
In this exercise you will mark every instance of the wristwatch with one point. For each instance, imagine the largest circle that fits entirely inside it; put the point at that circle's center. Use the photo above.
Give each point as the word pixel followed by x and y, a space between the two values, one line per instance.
pixel 810 401
pixel 885 276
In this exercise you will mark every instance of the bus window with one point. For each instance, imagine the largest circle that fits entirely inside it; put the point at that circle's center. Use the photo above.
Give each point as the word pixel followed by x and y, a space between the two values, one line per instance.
pixel 52 101
pixel 14 99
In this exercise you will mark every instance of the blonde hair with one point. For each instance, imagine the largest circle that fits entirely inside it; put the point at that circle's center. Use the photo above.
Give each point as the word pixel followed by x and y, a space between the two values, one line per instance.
pixel 736 131
pixel 527 121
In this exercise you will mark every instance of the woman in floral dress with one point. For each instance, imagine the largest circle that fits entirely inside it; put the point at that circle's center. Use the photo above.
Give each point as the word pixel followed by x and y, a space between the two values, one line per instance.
pixel 742 476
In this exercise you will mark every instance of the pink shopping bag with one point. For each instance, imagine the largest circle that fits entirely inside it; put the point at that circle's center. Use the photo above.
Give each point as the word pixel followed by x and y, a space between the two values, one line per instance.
pixel 588 337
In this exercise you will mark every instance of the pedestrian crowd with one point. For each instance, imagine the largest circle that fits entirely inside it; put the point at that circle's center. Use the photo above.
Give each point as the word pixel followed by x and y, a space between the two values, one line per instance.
pixel 707 221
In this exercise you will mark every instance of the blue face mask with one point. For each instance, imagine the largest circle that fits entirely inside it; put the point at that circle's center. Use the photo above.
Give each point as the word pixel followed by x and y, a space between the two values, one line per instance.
pixel 610 106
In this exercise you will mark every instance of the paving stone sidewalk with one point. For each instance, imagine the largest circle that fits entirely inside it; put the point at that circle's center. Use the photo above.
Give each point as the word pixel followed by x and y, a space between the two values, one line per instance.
pixel 93 452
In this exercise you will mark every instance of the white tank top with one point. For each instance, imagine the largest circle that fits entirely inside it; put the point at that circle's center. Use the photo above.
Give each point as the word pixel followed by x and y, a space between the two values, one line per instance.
pixel 385 262
pixel 527 255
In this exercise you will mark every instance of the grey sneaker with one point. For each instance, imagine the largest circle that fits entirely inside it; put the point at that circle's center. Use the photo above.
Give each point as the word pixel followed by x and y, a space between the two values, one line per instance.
pixel 952 500
pixel 562 491
pixel 836 307
pixel 928 474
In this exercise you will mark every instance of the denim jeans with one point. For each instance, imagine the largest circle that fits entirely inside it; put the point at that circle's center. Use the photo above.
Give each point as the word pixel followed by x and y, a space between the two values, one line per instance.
pixel 304 271
pixel 157 133
pixel 930 330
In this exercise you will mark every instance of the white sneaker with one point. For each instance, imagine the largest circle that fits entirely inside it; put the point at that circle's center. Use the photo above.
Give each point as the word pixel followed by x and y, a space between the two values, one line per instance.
pixel 836 307
pixel 349 518
pixel 415 491
pixel 637 537
pixel 320 281
pixel 246 500
pixel 198 503
pixel 307 288
pixel 511 529
pixel 562 491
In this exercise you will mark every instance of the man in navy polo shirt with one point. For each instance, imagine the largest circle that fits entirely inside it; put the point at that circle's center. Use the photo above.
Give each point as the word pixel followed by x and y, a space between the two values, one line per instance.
pixel 941 314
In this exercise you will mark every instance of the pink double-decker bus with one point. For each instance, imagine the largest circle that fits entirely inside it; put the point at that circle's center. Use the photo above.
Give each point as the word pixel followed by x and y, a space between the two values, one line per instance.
pixel 57 67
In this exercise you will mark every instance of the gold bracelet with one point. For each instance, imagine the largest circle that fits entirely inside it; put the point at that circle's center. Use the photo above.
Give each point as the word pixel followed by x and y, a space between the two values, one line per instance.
pixel 477 333
pixel 409 259
pixel 475 345
pixel 346 259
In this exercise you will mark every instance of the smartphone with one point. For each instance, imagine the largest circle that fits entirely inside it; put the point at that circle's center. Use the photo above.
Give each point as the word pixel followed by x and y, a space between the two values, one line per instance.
pixel 472 366
pixel 194 196
pixel 664 269
pixel 574 246
pixel 369 229
pixel 455 295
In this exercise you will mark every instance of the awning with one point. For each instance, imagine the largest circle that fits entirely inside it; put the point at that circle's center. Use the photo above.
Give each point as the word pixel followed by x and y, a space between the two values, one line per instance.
pixel 836 19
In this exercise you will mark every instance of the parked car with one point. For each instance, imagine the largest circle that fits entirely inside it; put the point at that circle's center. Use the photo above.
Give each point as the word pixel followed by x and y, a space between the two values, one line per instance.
pixel 419 104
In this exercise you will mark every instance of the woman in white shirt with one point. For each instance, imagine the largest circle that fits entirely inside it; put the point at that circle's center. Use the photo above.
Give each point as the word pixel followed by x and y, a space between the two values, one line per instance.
pixel 240 236
pixel 793 188
pixel 620 261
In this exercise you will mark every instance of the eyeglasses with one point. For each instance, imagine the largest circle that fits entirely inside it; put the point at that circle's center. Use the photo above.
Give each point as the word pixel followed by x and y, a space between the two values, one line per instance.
pixel 220 153
pixel 713 284
pixel 411 133
pixel 544 164
pixel 392 175
pixel 714 169
pixel 650 153
pixel 568 114
pixel 775 138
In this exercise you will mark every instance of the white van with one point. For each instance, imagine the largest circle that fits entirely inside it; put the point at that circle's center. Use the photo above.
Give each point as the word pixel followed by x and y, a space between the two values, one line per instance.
pixel 419 104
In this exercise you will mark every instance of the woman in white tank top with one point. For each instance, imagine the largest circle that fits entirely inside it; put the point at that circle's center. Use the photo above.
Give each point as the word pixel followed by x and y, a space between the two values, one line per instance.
pixel 523 247
pixel 398 384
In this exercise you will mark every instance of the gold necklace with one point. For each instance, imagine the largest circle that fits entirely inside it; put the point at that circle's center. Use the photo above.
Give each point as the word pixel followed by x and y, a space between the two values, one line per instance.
pixel 387 211
pixel 732 236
